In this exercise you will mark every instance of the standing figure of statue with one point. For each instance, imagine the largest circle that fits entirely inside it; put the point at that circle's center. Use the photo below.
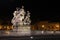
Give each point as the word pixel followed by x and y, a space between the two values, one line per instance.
pixel 27 20
pixel 14 20
pixel 18 17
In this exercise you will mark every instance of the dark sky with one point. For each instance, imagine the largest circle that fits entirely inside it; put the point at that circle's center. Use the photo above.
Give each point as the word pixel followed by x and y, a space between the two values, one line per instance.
pixel 40 9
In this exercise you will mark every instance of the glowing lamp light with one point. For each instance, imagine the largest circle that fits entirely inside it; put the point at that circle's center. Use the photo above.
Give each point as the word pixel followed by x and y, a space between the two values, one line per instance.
pixel 12 27
pixel 31 37
pixel 43 26
pixel 0 27
pixel 57 25
pixel 8 27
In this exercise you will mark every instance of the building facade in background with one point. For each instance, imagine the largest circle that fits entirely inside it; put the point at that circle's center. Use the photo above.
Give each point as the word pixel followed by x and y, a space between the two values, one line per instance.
pixel 46 26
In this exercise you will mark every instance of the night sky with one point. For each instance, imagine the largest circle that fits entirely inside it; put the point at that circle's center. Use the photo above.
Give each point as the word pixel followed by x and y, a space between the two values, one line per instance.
pixel 40 9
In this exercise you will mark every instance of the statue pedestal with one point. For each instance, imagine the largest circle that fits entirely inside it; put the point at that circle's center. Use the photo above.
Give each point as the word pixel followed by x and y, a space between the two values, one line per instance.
pixel 23 30
pixel 22 20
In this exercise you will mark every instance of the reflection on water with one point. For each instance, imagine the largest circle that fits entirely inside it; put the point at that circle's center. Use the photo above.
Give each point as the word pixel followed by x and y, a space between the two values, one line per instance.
pixel 14 33
pixel 26 33
pixel 7 32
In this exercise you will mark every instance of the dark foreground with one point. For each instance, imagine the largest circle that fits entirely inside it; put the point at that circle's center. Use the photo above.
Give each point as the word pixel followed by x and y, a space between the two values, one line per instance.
pixel 39 37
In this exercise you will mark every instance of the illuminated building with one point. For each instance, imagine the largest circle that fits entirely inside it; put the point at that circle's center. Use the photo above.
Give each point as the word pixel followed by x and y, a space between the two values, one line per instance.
pixel 6 27
pixel 45 25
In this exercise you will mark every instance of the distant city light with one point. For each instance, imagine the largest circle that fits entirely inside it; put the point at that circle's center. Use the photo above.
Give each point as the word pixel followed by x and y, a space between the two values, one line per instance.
pixel 57 25
pixel 7 32
pixel 0 27
pixel 8 27
pixel 43 25
pixel 31 37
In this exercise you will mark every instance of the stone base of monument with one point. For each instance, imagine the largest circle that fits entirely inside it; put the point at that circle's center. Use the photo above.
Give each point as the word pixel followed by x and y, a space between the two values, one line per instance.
pixel 22 31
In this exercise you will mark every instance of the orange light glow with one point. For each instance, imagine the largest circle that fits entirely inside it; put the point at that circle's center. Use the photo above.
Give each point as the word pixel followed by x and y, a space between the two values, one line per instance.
pixel 8 27
pixel 57 25
pixel 12 27
pixel 0 26
pixel 7 32
pixel 43 26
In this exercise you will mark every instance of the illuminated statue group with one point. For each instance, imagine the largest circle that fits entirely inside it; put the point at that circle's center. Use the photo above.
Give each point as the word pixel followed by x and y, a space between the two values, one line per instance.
pixel 21 22
pixel 21 17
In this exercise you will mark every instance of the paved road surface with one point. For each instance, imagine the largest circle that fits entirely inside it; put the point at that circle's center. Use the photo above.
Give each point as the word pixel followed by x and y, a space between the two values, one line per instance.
pixel 40 37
